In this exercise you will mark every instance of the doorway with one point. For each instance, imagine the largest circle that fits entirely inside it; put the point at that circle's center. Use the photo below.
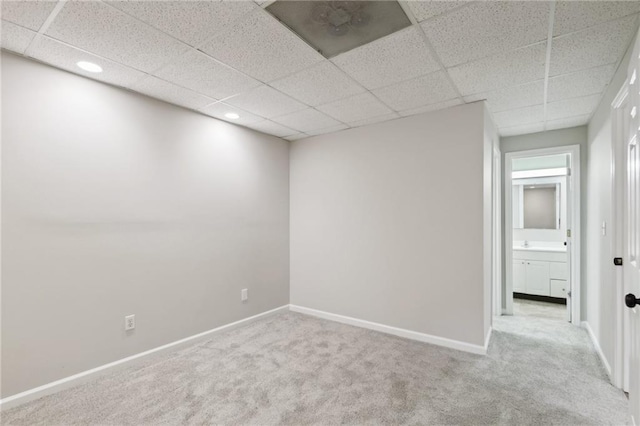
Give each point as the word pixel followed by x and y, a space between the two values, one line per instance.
pixel 542 234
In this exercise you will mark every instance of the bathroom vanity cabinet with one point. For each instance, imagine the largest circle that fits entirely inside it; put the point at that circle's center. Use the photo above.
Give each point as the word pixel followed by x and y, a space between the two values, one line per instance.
pixel 541 273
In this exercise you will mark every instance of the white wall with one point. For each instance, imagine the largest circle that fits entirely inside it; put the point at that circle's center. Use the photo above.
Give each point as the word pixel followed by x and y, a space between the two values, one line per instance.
pixel 553 138
pixel 116 204
pixel 387 223
pixel 600 290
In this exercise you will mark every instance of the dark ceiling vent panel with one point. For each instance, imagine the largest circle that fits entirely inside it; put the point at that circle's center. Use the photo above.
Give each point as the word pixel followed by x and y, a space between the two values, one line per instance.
pixel 334 27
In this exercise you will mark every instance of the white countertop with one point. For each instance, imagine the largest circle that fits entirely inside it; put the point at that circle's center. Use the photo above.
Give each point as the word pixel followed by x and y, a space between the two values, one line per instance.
pixel 562 249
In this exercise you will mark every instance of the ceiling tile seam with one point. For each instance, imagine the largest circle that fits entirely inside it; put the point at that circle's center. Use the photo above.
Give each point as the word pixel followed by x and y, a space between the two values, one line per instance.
pixel 547 62
pixel 160 30
pixel 629 46
pixel 92 54
pixel 313 108
pixel 266 4
pixel 440 63
pixel 537 80
pixel 595 26
pixel 431 50
pixel 447 12
pixel 551 77
pixel 45 26
pixel 471 61
pixel 567 74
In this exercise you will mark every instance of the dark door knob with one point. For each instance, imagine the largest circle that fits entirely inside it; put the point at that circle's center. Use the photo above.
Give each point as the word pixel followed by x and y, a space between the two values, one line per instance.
pixel 630 300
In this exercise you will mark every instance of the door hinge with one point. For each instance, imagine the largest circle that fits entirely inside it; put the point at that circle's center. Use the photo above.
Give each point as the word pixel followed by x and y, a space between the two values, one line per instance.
pixel 568 233
pixel 569 293
pixel 617 261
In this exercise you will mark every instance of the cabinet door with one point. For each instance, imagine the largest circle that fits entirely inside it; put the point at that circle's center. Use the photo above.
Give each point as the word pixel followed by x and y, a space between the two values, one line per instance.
pixel 519 276
pixel 558 288
pixel 537 280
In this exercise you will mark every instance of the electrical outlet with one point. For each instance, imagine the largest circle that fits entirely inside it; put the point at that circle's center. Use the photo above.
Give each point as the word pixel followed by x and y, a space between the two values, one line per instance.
pixel 244 294
pixel 129 322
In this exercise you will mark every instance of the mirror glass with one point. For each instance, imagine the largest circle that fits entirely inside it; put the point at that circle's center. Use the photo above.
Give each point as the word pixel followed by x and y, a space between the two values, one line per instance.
pixel 536 206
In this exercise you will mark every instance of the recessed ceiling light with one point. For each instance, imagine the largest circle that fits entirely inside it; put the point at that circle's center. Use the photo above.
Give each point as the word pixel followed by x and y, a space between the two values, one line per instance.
pixel 89 66
pixel 232 115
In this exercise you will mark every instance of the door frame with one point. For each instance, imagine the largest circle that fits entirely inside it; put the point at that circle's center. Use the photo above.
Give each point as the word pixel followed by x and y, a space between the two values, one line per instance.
pixel 576 243
pixel 618 226
pixel 497 231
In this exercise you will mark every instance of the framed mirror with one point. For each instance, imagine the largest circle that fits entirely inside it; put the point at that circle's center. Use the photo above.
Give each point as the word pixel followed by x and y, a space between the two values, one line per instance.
pixel 536 205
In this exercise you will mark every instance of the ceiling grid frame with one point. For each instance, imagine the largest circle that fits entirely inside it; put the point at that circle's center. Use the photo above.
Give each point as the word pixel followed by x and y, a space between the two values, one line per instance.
pixel 260 9
pixel 547 65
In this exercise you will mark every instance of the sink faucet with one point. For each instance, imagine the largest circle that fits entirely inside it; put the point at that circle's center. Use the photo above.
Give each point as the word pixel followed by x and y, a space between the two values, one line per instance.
pixel 525 243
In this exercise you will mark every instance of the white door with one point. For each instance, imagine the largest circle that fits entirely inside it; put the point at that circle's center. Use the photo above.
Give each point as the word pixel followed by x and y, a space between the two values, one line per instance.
pixel 568 240
pixel 631 260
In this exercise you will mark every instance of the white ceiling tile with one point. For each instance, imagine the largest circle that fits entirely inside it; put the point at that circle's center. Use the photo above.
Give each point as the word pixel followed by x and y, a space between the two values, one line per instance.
pixel 355 108
pixel 190 21
pixel 171 93
pixel 306 120
pixel 487 28
pixel 499 71
pixel 600 45
pixel 296 137
pixel 272 128
pixel 318 85
pixel 428 9
pixel 571 107
pixel 524 129
pixel 397 57
pixel 512 97
pixel 328 130
pixel 567 122
pixel 374 120
pixel 517 117
pixel 219 109
pixel 105 31
pixel 266 102
pixel 572 16
pixel 428 89
pixel 262 47
pixel 581 83
pixel 66 57
pixel 433 107
pixel 205 75
pixel 28 14
pixel 15 37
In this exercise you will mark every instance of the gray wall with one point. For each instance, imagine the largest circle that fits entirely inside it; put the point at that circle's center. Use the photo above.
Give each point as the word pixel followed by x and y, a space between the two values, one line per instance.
pixel 116 204
pixel 387 223
pixel 552 138
pixel 600 288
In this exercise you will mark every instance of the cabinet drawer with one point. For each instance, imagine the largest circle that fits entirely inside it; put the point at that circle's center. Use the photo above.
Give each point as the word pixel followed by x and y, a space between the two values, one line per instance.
pixel 558 271
pixel 558 288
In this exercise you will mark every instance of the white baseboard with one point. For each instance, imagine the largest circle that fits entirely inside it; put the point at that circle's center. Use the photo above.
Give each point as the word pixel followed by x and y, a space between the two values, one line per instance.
pixel 487 339
pixel 596 344
pixel 76 379
pixel 401 332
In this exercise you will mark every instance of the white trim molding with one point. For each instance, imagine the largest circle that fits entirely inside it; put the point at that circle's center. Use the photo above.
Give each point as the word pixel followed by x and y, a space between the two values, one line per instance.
pixel 401 332
pixel 596 345
pixel 574 242
pixel 85 376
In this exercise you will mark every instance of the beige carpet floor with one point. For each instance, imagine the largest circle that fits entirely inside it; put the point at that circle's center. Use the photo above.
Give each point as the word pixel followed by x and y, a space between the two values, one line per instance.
pixel 298 370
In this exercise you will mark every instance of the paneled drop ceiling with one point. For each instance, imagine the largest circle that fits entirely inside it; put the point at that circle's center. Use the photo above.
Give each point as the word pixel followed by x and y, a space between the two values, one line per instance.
pixel 539 65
